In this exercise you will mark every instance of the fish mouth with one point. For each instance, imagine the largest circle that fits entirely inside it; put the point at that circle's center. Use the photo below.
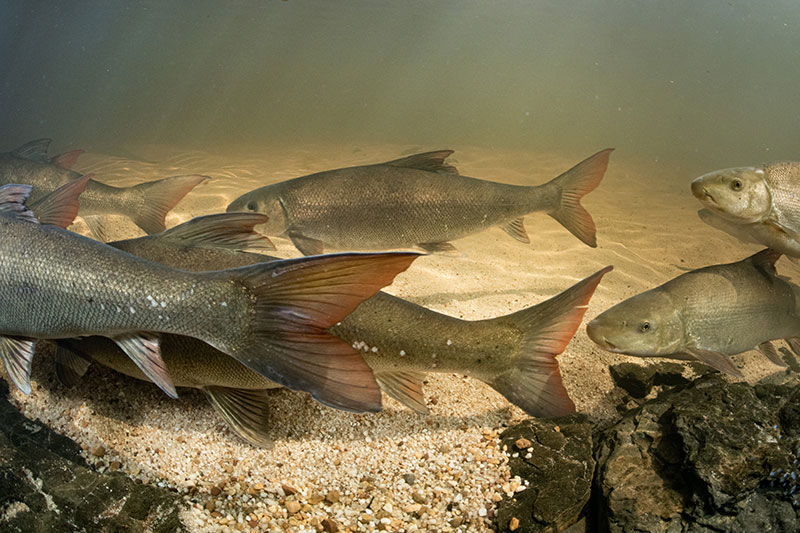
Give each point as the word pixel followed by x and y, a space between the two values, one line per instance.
pixel 598 338
pixel 701 193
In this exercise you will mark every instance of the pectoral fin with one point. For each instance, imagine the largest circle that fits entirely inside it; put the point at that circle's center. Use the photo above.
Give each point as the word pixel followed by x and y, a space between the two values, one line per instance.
pixel 70 365
pixel 783 229
pixel 716 360
pixel 444 248
pixel 516 228
pixel 405 387
pixel 768 349
pixel 143 349
pixel 306 245
pixel 231 231
pixel 245 411
pixel 17 355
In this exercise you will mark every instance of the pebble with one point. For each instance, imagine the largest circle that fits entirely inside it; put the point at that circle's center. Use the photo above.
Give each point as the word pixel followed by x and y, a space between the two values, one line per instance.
pixel 98 451
pixel 457 521
pixel 513 524
pixel 114 466
pixel 409 478
pixel 293 506
pixel 332 496
pixel 289 490
pixel 419 498
pixel 215 491
pixel 211 505
pixel 522 443
pixel 330 525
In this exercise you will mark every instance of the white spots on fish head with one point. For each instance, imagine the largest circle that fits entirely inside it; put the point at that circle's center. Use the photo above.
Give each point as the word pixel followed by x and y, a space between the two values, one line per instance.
pixel 449 342
pixel 374 349
pixel 740 194
pixel 132 310
pixel 163 304
pixel 119 309
pixel 402 353
pixel 364 347
pixel 223 304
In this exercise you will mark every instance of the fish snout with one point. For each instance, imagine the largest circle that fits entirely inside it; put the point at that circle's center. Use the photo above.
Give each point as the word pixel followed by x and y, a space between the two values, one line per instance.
pixel 594 330
pixel 700 191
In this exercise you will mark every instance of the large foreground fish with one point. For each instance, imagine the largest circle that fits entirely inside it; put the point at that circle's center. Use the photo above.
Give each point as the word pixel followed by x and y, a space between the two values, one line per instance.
pixel 146 204
pixel 707 315
pixel 400 341
pixel 415 201
pixel 765 201
pixel 270 317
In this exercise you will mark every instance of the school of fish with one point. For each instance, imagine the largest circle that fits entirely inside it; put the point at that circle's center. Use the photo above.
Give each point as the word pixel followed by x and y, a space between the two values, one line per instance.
pixel 200 305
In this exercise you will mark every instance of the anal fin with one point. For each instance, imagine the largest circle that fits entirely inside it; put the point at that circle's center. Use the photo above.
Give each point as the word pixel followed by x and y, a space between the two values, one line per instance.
pixel 716 360
pixel 306 245
pixel 96 227
pixel 70 365
pixel 17 356
pixel 769 351
pixel 60 207
pixel 405 386
pixel 516 228
pixel 245 411
pixel 143 349
pixel 794 344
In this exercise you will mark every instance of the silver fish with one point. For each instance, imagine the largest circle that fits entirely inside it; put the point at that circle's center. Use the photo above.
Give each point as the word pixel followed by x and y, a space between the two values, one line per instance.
pixel 400 341
pixel 146 204
pixel 270 317
pixel 768 196
pixel 416 201
pixel 707 315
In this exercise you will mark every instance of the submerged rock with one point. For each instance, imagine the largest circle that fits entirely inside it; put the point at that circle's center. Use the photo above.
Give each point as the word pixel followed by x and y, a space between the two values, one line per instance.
pixel 555 457
pixel 45 485
pixel 706 456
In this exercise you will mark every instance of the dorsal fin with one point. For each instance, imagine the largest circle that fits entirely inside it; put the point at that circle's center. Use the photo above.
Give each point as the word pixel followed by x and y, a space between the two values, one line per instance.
pixel 34 150
pixel 60 207
pixel 12 201
pixel 67 160
pixel 233 231
pixel 429 161
pixel 765 260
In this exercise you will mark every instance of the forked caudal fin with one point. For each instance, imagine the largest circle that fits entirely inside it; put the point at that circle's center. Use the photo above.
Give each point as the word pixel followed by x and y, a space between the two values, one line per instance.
pixel 157 198
pixel 533 381
pixel 294 302
pixel 574 184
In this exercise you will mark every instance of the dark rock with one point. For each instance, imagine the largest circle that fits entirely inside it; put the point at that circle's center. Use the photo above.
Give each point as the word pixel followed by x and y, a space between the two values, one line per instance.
pixel 669 374
pixel 635 379
pixel 559 470
pixel 45 485
pixel 711 456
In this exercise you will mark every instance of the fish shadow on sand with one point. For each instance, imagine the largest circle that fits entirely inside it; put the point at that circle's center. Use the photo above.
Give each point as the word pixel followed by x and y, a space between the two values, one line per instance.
pixel 294 416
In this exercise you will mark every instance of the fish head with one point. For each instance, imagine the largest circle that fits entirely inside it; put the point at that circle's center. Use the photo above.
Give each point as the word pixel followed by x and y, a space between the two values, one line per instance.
pixel 737 194
pixel 256 202
pixel 645 325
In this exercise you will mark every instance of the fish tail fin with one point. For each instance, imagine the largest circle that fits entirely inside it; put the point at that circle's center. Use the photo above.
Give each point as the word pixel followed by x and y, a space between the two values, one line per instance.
pixel 573 185
pixel 533 381
pixel 295 301
pixel 156 198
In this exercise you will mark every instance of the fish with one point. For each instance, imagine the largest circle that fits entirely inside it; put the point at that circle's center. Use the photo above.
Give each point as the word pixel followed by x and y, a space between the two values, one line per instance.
pixel 767 196
pixel 418 201
pixel 271 317
pixel 400 341
pixel 755 233
pixel 146 204
pixel 707 315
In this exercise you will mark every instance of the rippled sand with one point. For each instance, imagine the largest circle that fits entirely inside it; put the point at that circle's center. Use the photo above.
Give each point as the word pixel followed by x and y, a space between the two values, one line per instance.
pixel 647 228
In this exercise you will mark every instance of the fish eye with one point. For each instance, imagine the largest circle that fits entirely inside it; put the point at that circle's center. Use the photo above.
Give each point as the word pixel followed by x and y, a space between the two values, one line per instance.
pixel 736 184
pixel 251 206
pixel 644 327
